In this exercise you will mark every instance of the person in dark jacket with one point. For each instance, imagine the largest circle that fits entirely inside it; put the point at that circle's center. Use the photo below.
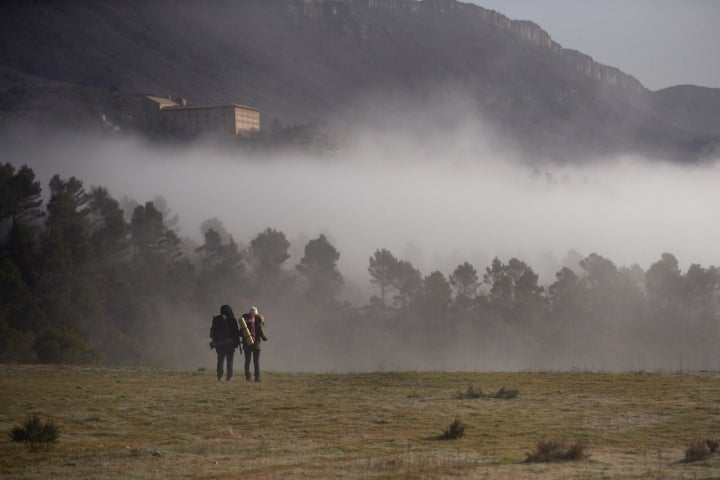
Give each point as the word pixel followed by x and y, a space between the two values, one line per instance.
pixel 255 323
pixel 225 348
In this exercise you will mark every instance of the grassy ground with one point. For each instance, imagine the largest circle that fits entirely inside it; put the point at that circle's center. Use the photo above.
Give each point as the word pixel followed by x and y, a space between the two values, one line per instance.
pixel 153 423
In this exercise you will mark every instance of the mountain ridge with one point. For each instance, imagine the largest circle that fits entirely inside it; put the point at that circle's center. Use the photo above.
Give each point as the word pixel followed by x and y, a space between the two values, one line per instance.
pixel 303 61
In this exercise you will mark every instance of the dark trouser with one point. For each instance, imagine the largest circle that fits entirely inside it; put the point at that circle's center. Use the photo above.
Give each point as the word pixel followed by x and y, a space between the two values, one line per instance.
pixel 222 354
pixel 255 353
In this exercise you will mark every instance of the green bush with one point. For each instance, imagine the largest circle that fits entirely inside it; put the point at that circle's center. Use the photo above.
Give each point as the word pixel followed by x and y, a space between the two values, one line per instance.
pixel 15 346
pixel 63 345
pixel 34 432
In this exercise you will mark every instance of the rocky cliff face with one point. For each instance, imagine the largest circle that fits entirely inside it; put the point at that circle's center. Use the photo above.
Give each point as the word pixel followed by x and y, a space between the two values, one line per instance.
pixel 602 73
pixel 452 9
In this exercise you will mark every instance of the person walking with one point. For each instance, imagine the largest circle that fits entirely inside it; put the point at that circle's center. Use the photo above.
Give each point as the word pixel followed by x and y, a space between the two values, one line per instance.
pixel 255 322
pixel 225 335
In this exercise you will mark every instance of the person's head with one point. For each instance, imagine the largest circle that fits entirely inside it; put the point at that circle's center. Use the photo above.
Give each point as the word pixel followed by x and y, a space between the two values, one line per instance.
pixel 253 311
pixel 227 311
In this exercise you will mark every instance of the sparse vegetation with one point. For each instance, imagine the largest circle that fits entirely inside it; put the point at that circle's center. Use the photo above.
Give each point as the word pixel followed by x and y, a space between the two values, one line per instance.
pixel 141 423
pixel 469 394
pixel 453 431
pixel 503 393
pixel 34 432
pixel 556 451
pixel 713 444
pixel 701 450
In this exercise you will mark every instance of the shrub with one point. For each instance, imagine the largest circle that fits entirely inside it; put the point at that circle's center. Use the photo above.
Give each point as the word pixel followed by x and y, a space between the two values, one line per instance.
pixel 34 432
pixel 15 346
pixel 61 344
pixel 506 393
pixel 503 393
pixel 454 431
pixel 713 445
pixel 701 450
pixel 470 393
pixel 555 451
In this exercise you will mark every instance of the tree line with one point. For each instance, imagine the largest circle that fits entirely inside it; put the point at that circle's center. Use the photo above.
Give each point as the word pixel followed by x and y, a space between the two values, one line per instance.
pixel 86 278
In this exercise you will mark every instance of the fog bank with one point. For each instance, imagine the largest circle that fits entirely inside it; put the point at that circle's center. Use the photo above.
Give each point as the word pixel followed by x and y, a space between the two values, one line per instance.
pixel 435 201
pixel 434 198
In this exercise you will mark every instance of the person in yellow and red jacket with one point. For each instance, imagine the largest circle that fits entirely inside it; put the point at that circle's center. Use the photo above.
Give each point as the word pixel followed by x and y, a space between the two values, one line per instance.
pixel 255 322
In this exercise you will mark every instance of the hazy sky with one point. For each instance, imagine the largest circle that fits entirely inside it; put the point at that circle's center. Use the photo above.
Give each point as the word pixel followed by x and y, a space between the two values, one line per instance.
pixel 660 42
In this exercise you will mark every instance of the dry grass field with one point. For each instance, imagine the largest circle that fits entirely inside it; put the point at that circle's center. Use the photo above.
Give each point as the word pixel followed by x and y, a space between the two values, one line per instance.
pixel 141 423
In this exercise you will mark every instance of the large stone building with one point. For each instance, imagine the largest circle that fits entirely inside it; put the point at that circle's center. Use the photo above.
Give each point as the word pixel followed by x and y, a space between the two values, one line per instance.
pixel 176 115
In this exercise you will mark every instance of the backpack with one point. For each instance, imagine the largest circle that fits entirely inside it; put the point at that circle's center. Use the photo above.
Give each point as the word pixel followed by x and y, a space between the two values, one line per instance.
pixel 219 329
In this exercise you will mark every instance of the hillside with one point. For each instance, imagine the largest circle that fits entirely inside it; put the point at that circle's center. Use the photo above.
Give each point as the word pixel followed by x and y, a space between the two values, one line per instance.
pixel 320 61
pixel 690 107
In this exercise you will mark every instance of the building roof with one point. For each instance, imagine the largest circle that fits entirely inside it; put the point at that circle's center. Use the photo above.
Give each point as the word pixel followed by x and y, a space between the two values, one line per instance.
pixel 162 102
pixel 175 106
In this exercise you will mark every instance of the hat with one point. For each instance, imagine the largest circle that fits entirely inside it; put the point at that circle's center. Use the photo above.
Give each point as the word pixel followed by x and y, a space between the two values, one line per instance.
pixel 253 310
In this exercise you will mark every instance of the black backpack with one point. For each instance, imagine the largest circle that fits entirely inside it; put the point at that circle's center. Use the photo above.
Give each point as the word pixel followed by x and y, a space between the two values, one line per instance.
pixel 219 329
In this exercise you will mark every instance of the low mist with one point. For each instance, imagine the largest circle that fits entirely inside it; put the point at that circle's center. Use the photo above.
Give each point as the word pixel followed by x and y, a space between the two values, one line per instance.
pixel 434 198
pixel 435 201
